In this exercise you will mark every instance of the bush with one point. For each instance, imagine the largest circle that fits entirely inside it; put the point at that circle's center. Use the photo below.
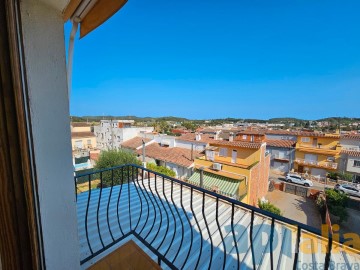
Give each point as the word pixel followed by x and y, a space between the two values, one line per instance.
pixel 336 203
pixel 345 176
pixel 269 207
pixel 160 169
pixel 114 158
pixel 333 175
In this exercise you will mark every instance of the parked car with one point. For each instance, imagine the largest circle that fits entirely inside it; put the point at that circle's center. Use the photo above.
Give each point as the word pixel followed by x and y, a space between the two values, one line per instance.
pixel 297 179
pixel 348 189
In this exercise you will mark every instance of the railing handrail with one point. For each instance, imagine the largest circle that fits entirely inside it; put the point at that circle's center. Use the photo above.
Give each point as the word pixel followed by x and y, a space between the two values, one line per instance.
pixel 216 195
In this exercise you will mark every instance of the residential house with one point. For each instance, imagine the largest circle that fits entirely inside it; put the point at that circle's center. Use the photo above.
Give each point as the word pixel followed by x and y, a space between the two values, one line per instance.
pixel 196 141
pixel 135 143
pixel 350 155
pixel 111 133
pixel 179 160
pixel 236 169
pixel 83 140
pixel 317 153
pixel 81 127
pixel 282 154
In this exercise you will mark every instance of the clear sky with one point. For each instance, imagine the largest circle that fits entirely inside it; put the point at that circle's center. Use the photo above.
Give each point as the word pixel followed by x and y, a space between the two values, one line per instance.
pixel 206 59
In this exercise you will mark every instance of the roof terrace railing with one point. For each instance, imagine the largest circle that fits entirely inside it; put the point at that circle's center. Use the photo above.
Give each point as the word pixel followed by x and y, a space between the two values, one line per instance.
pixel 181 224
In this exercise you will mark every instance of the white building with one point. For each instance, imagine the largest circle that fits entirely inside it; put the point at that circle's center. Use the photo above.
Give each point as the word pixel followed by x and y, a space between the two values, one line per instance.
pixel 350 155
pixel 111 133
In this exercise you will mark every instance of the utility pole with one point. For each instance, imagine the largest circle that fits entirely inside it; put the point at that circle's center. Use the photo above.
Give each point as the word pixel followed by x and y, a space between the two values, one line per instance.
pixel 143 154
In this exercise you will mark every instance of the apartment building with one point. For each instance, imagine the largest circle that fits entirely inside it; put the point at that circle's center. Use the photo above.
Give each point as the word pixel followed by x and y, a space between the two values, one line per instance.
pixel 235 169
pixel 317 153
pixel 81 136
pixel 111 133
pixel 350 155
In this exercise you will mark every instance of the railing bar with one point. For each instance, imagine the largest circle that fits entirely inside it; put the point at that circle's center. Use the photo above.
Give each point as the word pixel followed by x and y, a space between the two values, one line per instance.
pixel 188 219
pixel 251 239
pixel 207 229
pixel 121 182
pixel 197 223
pixel 98 208
pixel 129 200
pixel 156 201
pixel 154 207
pixel 234 237
pixel 143 191
pixel 328 252
pixel 141 203
pixel 297 249
pixel 166 212
pixel 271 243
pixel 87 215
pixel 108 204
pixel 221 235
pixel 182 227
pixel 173 215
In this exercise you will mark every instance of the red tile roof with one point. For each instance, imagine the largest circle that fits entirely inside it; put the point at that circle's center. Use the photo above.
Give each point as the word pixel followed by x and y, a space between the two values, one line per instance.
pixel 85 134
pixel 302 133
pixel 176 155
pixel 351 137
pixel 190 137
pixel 280 143
pixel 351 153
pixel 134 143
pixel 240 144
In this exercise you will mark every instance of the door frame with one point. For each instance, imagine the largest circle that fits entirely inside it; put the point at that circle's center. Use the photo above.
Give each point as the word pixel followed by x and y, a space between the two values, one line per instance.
pixel 21 245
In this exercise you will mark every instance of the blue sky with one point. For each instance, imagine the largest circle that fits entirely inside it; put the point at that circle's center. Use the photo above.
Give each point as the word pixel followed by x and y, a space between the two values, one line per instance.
pixel 211 59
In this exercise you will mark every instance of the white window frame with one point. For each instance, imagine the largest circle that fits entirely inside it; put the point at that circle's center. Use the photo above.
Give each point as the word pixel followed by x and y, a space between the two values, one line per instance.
pixel 356 163
pixel 305 139
pixel 223 152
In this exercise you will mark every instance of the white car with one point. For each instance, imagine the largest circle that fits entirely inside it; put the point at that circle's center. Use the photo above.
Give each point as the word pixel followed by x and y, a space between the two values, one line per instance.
pixel 297 179
pixel 348 189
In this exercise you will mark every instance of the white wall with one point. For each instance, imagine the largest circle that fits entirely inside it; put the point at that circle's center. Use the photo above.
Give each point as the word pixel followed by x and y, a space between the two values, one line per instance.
pixel 198 146
pixel 350 165
pixel 345 143
pixel 43 37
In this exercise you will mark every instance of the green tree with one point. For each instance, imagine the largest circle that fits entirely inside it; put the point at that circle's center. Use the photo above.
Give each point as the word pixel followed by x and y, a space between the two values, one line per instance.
pixel 161 169
pixel 114 158
pixel 337 202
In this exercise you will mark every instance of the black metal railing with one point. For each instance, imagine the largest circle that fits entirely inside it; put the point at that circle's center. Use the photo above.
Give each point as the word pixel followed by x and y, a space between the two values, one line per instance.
pixel 184 226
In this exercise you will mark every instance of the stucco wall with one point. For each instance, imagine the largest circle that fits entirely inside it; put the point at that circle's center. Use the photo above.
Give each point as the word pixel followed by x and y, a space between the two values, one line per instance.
pixel 350 165
pixel 198 146
pixel 43 37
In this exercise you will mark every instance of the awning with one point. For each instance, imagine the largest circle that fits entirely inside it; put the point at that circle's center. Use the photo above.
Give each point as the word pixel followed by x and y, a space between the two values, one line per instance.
pixel 226 186
pixel 91 13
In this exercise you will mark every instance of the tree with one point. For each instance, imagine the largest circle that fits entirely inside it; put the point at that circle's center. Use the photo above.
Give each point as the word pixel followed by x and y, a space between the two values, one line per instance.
pixel 161 169
pixel 269 207
pixel 336 202
pixel 115 158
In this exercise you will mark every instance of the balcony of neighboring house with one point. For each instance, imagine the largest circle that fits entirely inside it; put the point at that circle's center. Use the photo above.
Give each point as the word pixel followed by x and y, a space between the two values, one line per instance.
pixel 329 165
pixel 330 149
pixel 280 157
pixel 140 215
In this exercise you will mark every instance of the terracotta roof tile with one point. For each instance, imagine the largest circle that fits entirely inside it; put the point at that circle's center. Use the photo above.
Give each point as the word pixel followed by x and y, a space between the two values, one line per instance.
pixel 85 134
pixel 351 153
pixel 280 143
pixel 237 144
pixel 134 143
pixel 176 155
pixel 351 137
pixel 190 137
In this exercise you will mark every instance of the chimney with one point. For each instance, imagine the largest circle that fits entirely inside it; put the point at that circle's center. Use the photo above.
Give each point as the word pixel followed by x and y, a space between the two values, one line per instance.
pixel 231 137
pixel 216 137
pixel 197 136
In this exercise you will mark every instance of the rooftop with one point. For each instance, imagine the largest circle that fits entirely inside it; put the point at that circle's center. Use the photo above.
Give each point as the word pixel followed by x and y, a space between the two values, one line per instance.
pixel 85 134
pixel 80 124
pixel 239 144
pixel 280 143
pixel 134 143
pixel 176 155
pixel 355 137
pixel 351 153
pixel 191 137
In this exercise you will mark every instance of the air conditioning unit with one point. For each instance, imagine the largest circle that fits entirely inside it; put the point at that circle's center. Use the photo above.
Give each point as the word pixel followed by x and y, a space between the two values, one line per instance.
pixel 217 166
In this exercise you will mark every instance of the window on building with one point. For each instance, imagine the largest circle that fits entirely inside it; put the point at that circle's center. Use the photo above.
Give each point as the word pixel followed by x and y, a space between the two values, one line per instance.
pixel 244 137
pixel 88 141
pixel 305 139
pixel 223 152
pixel 356 163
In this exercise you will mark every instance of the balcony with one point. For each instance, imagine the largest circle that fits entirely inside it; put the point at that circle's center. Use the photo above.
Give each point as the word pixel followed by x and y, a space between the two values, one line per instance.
pixel 319 164
pixel 280 157
pixel 181 226
pixel 319 149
